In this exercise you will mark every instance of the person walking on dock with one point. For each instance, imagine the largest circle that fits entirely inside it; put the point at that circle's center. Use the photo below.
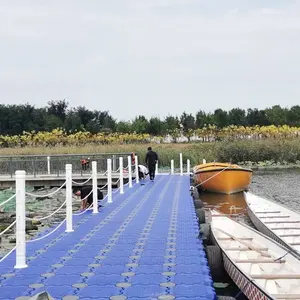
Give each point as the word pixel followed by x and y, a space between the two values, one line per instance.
pixel 151 161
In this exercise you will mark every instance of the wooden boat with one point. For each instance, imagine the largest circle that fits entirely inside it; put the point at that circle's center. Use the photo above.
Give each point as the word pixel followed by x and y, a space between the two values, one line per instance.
pixel 222 177
pixel 259 266
pixel 275 220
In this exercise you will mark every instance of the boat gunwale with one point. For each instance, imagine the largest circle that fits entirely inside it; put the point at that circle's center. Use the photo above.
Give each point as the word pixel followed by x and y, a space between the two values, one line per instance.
pixel 252 281
pixel 293 250
pixel 262 234
pixel 219 169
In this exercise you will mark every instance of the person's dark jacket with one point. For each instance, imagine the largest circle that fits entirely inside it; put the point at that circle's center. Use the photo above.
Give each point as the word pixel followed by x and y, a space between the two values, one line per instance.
pixel 86 190
pixel 151 158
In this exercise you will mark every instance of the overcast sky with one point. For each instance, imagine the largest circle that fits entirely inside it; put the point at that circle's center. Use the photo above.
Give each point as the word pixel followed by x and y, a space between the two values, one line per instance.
pixel 151 57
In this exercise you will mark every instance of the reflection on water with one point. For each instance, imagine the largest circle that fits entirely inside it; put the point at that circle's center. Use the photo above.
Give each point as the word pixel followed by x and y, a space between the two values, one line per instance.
pixel 226 204
pixel 280 185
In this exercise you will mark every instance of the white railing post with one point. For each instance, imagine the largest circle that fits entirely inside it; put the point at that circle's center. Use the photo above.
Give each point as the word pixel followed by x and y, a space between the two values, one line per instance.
pixel 204 161
pixel 129 171
pixel 156 168
pixel 69 211
pixel 20 221
pixel 109 181
pixel 181 166
pixel 48 165
pixel 172 166
pixel 95 187
pixel 137 169
pixel 121 175
pixel 188 166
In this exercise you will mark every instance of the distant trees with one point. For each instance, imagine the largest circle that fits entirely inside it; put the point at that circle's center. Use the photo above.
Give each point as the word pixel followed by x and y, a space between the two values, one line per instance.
pixel 14 119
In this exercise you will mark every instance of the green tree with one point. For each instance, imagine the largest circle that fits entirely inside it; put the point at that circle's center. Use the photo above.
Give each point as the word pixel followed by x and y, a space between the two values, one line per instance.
pixel 171 123
pixel 237 116
pixel 124 127
pixel 140 125
pixel 276 115
pixel 188 121
pixel 220 118
pixel 256 117
pixel 58 108
pixel 293 116
pixel 155 126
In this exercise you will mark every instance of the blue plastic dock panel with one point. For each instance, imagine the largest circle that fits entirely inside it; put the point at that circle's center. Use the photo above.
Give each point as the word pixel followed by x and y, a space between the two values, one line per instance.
pixel 142 246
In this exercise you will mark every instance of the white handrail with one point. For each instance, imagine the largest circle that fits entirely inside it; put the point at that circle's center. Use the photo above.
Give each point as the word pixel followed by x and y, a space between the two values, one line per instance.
pixel 95 187
pixel 21 222
pixel 172 166
pixel 121 175
pixel 181 164
pixel 21 193
pixel 69 212
pixel 137 169
pixel 129 171
pixel 109 183
pixel 188 163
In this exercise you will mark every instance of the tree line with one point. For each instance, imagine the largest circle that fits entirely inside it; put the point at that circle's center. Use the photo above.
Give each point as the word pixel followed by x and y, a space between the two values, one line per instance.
pixel 15 119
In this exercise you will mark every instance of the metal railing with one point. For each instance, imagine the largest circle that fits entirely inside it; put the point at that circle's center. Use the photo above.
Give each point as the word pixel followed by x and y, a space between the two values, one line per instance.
pixel 55 164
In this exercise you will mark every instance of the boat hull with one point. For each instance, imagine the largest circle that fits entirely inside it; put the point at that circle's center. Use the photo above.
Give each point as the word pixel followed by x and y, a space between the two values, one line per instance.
pixel 262 227
pixel 224 181
pixel 243 282
pixel 250 290
pixel 259 266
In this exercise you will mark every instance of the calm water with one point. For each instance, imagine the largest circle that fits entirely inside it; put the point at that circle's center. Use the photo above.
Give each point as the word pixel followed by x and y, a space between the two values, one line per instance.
pixel 282 186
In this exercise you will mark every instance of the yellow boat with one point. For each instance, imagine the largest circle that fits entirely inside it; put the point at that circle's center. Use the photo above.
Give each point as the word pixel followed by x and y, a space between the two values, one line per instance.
pixel 222 178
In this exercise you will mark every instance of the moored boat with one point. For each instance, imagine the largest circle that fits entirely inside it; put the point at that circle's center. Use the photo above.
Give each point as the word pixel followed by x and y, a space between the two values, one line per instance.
pixel 260 267
pixel 222 177
pixel 275 220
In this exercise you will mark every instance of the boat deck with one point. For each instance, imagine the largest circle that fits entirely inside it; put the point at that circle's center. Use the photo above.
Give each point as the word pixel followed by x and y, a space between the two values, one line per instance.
pixel 143 246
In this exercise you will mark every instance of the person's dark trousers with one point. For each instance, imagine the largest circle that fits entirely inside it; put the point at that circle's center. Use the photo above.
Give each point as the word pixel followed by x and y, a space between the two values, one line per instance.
pixel 151 171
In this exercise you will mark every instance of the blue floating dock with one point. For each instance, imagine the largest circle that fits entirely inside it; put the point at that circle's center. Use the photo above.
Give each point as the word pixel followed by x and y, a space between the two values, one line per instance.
pixel 142 246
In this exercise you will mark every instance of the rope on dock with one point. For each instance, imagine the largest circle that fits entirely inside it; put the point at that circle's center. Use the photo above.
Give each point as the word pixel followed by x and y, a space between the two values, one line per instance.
pixel 44 218
pixel 7 228
pixel 43 237
pixel 9 199
pixel 82 183
pixel 47 195
pixel 7 254
pixel 102 188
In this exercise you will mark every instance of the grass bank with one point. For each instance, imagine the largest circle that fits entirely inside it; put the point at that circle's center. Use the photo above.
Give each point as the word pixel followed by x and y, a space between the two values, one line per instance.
pixel 270 153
